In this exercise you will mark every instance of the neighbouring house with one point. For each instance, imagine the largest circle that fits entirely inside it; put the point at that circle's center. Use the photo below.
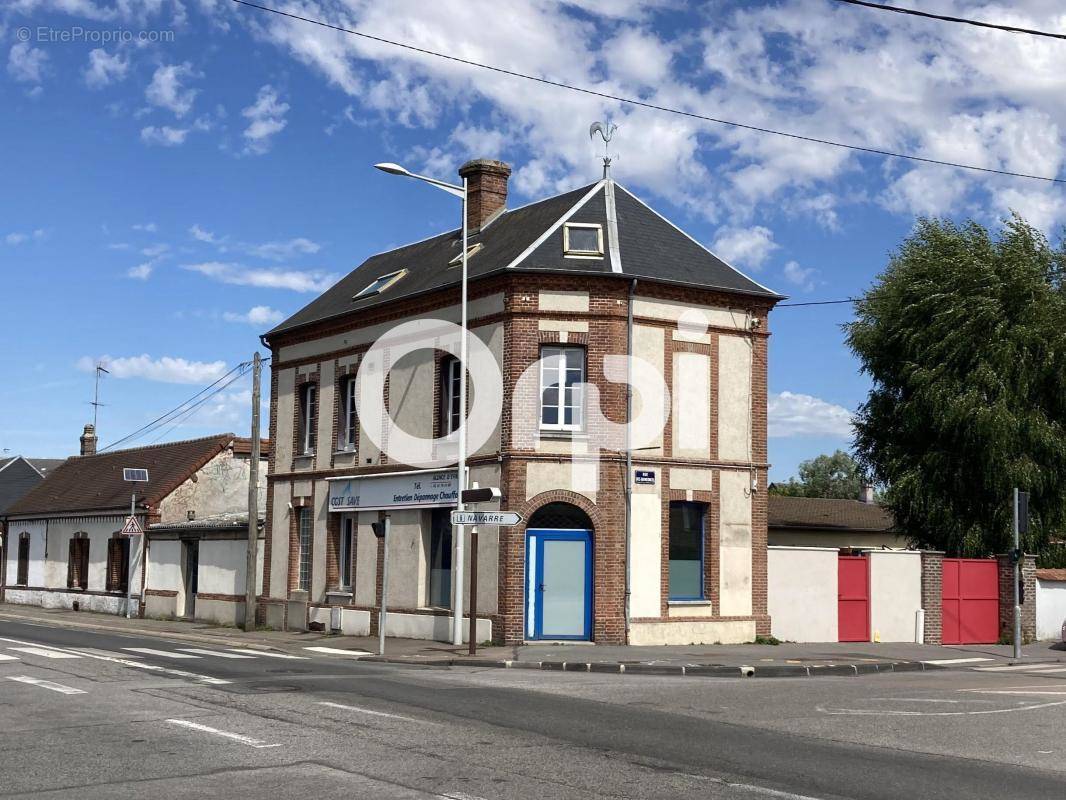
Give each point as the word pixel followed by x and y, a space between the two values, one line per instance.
pixel 18 475
pixel 71 552
pixel 825 522
pixel 668 546
pixel 1051 604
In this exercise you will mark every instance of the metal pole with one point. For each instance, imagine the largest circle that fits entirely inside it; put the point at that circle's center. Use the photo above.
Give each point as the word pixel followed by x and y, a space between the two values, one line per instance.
pixel 384 587
pixel 473 591
pixel 129 575
pixel 251 573
pixel 1017 576
pixel 457 605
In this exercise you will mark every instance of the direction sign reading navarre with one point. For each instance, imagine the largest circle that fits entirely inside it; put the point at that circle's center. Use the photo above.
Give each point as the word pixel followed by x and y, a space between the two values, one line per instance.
pixel 505 518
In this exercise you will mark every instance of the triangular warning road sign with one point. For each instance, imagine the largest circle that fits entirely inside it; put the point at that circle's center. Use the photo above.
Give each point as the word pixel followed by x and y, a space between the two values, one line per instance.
pixel 132 527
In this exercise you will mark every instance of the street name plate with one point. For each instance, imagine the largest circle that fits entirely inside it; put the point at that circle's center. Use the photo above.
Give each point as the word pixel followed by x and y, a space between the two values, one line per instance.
pixel 486 518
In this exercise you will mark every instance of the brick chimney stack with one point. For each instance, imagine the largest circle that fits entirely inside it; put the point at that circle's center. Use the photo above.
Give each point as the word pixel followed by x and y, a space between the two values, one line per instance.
pixel 867 494
pixel 88 441
pixel 486 190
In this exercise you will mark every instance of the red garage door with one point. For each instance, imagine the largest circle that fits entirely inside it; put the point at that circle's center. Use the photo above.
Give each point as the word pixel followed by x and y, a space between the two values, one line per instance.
pixel 853 599
pixel 970 601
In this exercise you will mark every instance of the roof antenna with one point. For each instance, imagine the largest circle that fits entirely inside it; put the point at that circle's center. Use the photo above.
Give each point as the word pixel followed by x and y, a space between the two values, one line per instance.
pixel 96 392
pixel 606 131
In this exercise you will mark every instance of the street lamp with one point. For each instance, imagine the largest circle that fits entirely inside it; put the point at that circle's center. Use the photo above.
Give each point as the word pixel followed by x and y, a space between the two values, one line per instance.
pixel 457 566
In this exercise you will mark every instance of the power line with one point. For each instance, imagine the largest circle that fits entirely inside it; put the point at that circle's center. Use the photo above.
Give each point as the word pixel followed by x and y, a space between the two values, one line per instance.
pixel 644 104
pixel 944 18
pixel 191 410
pixel 817 303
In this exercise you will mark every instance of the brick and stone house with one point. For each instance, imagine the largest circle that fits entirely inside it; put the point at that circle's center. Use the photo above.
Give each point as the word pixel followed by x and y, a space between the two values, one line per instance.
pixel 661 540
pixel 67 550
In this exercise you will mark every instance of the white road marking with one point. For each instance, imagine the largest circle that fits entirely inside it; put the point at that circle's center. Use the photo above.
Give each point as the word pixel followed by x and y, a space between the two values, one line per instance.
pixel 265 653
pixel 338 651
pixel 750 787
pixel 148 651
pixel 128 662
pixel 869 712
pixel 248 740
pixel 956 660
pixel 55 687
pixel 459 796
pixel 1019 668
pixel 359 710
pixel 92 651
pixel 215 653
pixel 45 652
pixel 4 657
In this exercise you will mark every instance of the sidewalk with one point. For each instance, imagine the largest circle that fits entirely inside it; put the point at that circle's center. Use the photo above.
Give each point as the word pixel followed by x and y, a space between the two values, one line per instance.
pixel 750 660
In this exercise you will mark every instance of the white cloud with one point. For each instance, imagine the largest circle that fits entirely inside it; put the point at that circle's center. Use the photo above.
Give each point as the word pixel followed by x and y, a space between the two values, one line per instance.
pixel 26 64
pixel 155 250
pixel 201 235
pixel 800 276
pixel 166 89
pixel 266 117
pixel 239 275
pixel 147 227
pixel 141 272
pixel 793 414
pixel 256 315
pixel 18 237
pixel 745 247
pixel 280 251
pixel 164 135
pixel 104 69
pixel 166 369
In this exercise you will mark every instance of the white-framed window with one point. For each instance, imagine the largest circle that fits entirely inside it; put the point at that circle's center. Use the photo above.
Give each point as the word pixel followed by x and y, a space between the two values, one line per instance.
pixel 378 285
pixel 470 251
pixel 562 375
pixel 304 531
pixel 582 239
pixel 347 549
pixel 449 395
pixel 349 418
pixel 308 417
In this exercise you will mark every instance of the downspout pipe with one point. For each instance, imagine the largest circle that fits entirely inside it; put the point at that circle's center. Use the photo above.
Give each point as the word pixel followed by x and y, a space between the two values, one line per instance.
pixel 629 455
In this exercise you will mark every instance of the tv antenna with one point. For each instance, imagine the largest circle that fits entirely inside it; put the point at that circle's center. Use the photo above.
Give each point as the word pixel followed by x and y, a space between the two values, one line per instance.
pixel 606 131
pixel 96 392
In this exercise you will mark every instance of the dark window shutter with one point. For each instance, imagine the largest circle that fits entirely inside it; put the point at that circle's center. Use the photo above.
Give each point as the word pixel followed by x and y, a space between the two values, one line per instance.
pixel 85 563
pixel 72 563
pixel 23 576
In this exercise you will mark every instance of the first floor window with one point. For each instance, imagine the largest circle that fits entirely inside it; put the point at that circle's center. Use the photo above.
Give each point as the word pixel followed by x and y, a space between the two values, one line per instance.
pixel 22 577
pixel 562 374
pixel 78 562
pixel 449 395
pixel 349 419
pixel 118 563
pixel 440 558
pixel 347 549
pixel 304 529
pixel 686 551
pixel 308 417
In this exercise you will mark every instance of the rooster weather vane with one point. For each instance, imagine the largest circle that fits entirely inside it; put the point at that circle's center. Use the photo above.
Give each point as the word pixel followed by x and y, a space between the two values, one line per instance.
pixel 606 131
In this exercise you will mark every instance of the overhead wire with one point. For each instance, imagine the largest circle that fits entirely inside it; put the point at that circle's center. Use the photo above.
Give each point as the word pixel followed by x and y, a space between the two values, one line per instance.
pixel 945 18
pixel 643 103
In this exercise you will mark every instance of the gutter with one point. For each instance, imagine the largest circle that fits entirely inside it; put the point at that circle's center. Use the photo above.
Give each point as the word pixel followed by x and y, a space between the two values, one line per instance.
pixel 629 455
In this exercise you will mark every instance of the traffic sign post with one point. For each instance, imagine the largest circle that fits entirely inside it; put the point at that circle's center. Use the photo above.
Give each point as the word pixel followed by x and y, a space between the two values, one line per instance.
pixel 503 518
pixel 132 527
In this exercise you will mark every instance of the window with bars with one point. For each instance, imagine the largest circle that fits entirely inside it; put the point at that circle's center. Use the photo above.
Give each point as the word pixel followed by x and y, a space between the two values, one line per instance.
pixel 22 574
pixel 308 417
pixel 347 550
pixel 304 530
pixel 78 562
pixel 449 395
pixel 562 375
pixel 349 418
pixel 118 563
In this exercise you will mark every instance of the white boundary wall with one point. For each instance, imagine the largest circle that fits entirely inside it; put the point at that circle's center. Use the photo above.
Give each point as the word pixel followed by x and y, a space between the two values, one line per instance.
pixel 1050 608
pixel 802 588
pixel 895 594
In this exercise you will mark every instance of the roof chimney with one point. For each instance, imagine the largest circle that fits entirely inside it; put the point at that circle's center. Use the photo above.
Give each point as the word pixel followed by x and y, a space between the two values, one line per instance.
pixel 88 441
pixel 866 494
pixel 486 190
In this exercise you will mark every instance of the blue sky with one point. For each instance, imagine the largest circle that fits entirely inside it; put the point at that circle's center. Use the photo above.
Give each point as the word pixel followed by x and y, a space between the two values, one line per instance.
pixel 168 199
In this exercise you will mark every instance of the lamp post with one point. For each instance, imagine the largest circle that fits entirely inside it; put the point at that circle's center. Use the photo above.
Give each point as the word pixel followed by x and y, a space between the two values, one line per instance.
pixel 457 565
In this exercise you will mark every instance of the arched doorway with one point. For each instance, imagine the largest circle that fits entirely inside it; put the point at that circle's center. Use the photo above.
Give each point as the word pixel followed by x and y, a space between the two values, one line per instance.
pixel 559 573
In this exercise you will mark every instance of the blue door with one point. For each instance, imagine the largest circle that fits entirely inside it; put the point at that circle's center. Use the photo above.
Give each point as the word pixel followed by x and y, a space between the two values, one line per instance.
pixel 558 584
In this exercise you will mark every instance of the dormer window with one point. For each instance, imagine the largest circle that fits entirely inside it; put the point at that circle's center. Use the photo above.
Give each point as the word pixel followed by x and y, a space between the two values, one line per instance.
pixel 582 239
pixel 470 251
pixel 380 284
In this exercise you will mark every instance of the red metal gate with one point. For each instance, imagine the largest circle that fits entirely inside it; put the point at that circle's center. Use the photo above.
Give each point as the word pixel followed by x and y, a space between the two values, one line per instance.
pixel 970 591
pixel 853 599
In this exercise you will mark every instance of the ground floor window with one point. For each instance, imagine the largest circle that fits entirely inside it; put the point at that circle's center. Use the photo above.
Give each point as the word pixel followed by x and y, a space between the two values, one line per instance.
pixel 22 576
pixel 78 562
pixel 304 528
pixel 118 563
pixel 347 549
pixel 686 550
pixel 440 559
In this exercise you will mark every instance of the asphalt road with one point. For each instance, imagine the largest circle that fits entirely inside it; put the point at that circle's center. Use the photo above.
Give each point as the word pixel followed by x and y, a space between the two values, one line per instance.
pixel 100 715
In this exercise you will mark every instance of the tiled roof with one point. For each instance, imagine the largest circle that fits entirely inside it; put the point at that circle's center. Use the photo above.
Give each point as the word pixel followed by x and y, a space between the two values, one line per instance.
pixel 815 513
pixel 1051 574
pixel 94 483
pixel 527 239
pixel 225 521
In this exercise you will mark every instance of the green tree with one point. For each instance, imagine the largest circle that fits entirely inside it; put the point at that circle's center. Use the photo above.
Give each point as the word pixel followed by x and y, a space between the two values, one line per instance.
pixel 838 475
pixel 964 338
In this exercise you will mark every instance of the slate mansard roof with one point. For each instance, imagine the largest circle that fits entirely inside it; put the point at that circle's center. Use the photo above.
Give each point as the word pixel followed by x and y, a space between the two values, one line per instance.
pixel 638 243
pixel 95 483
